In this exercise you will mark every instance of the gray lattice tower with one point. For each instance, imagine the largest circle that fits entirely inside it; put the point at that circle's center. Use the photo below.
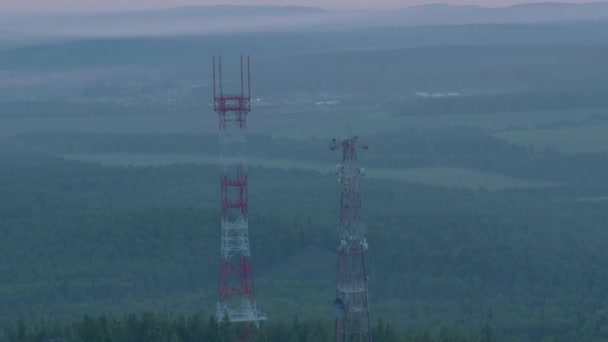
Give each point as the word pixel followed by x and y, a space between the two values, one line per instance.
pixel 351 305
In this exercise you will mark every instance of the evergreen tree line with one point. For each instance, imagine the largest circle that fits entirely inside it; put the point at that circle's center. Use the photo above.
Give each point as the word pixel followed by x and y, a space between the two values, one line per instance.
pixel 167 327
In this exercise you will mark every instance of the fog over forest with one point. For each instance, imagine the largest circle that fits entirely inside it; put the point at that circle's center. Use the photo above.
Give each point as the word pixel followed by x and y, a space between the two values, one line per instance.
pixel 484 199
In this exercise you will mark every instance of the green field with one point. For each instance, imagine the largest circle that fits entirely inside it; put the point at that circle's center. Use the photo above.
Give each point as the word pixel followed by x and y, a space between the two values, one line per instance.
pixel 576 139
pixel 456 178
pixel 381 120
pixel 440 176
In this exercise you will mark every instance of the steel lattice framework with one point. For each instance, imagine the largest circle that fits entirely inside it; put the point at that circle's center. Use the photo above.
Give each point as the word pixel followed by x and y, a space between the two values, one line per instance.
pixel 236 294
pixel 351 305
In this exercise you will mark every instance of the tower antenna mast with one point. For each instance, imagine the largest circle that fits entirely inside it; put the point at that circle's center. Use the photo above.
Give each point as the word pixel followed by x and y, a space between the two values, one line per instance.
pixel 236 294
pixel 352 321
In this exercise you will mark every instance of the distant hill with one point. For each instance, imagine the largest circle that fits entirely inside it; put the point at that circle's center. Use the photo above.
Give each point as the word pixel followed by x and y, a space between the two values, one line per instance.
pixel 222 19
pixel 236 10
pixel 440 14
pixel 179 20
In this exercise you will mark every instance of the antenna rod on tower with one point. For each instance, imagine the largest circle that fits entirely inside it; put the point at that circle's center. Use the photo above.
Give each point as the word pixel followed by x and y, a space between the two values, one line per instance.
pixel 242 90
pixel 220 71
pixel 214 94
pixel 349 131
pixel 248 79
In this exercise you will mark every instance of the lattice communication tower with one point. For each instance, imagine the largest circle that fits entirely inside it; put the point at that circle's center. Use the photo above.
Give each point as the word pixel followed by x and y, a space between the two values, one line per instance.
pixel 236 293
pixel 352 321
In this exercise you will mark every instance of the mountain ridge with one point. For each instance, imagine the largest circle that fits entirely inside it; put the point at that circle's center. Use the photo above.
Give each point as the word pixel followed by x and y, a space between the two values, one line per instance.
pixel 230 18
pixel 313 9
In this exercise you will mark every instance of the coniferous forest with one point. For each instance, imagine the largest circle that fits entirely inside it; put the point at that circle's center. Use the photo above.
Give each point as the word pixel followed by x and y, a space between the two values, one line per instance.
pixel 165 327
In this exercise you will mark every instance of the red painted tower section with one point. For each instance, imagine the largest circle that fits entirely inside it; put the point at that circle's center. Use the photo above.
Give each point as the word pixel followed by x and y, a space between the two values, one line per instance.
pixel 236 294
pixel 351 304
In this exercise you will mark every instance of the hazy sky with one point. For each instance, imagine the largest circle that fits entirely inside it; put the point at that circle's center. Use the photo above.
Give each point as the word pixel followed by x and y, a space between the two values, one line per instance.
pixel 94 5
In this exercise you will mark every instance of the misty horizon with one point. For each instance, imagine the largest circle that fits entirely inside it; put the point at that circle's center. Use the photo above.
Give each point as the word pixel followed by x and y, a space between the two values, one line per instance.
pixel 213 19
pixel 68 6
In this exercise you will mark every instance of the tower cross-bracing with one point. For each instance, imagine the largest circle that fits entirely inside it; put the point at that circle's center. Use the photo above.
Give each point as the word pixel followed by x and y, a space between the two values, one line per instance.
pixel 352 322
pixel 236 294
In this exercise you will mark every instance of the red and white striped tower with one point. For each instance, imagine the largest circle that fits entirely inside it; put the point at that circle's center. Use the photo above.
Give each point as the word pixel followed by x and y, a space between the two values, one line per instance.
pixel 236 294
pixel 351 305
